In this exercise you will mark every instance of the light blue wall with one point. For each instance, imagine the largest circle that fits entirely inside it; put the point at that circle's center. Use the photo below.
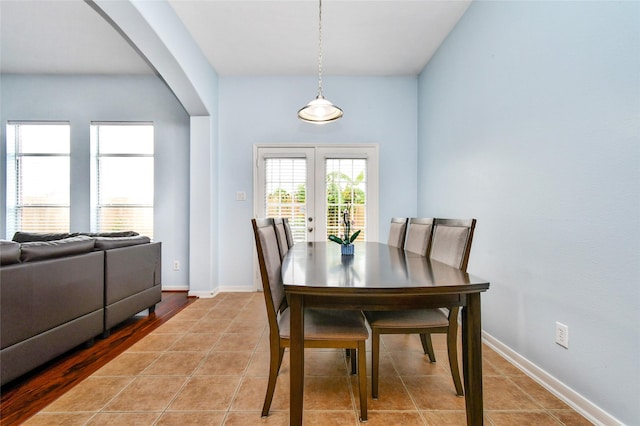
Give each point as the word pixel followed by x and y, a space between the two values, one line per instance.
pixel 377 110
pixel 82 99
pixel 529 121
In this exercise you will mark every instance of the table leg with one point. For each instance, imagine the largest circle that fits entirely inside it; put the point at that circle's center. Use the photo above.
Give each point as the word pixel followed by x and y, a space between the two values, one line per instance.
pixel 472 359
pixel 296 359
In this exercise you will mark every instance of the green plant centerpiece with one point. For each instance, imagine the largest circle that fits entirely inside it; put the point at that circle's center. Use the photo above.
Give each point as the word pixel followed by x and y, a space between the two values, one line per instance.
pixel 346 242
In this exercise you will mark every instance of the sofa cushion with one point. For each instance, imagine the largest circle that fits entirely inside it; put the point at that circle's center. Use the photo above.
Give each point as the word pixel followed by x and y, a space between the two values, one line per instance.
pixel 108 243
pixel 9 252
pixel 38 250
pixel 109 234
pixel 23 237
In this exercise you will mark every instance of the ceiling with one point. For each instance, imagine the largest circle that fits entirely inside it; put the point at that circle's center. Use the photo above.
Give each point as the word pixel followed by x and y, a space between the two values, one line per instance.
pixel 239 37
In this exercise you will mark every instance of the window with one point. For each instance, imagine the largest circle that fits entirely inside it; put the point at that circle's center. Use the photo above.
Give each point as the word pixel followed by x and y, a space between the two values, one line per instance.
pixel 346 189
pixel 122 177
pixel 38 177
pixel 286 192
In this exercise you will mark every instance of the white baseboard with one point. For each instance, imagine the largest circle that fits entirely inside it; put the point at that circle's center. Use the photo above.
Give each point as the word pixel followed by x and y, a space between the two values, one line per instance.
pixel 231 289
pixel 204 294
pixel 175 288
pixel 586 408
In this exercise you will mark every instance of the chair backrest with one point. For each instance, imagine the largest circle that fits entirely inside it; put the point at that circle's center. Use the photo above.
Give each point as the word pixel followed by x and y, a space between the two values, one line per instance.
pixel 287 231
pixel 281 235
pixel 451 241
pixel 264 231
pixel 419 232
pixel 397 232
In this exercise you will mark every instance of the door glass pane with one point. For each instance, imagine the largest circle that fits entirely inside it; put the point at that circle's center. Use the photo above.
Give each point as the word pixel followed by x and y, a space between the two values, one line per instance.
pixel 346 189
pixel 286 193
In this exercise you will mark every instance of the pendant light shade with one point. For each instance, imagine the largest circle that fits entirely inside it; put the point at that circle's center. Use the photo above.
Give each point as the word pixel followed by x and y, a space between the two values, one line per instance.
pixel 319 110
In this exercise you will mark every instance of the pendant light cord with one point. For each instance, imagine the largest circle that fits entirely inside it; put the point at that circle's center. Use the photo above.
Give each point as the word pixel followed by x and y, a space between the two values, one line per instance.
pixel 320 95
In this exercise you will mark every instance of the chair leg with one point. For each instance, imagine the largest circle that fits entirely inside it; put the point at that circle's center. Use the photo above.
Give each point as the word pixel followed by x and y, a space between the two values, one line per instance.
pixel 375 362
pixel 452 349
pixel 362 379
pixel 427 346
pixel 354 361
pixel 275 361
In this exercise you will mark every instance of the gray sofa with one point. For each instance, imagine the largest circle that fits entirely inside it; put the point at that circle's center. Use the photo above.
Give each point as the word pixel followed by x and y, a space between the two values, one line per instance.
pixel 56 294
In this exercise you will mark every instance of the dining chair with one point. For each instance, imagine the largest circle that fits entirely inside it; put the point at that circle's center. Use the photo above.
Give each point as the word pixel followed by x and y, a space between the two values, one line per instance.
pixel 323 328
pixel 287 231
pixel 281 235
pixel 450 244
pixel 418 235
pixel 397 232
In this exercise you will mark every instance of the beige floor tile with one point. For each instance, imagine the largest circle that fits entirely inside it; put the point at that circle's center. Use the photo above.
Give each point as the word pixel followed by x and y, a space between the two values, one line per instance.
pixel 385 365
pixel 128 364
pixel 211 325
pixel 533 418
pixel 500 393
pixel 224 364
pixel 570 418
pixel 58 419
pixel 394 418
pixel 503 366
pixel 210 364
pixel 175 327
pixel 246 326
pixel 147 393
pixel 433 392
pixel 206 393
pixel 537 392
pixel 416 363
pixel 110 419
pixel 192 418
pixel 323 418
pixel 224 310
pixel 90 395
pixel 327 393
pixel 156 342
pixel 259 364
pixel 202 342
pixel 280 418
pixel 174 364
pixel 237 342
pixel 446 418
pixel 317 363
pixel 194 313
pixel 250 396
pixel 401 342
pixel 392 395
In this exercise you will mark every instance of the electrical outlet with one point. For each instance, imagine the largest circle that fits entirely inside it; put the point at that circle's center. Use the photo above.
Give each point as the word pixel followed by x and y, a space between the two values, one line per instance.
pixel 562 335
pixel 176 265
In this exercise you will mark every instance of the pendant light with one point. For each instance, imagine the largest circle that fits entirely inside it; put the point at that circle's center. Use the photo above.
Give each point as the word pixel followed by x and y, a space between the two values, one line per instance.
pixel 320 110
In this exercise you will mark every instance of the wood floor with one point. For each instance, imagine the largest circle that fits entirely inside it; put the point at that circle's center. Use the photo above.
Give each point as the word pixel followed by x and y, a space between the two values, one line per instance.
pixel 29 394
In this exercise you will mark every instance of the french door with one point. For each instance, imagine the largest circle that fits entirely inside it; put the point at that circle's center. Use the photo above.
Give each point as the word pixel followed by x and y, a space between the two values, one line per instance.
pixel 312 185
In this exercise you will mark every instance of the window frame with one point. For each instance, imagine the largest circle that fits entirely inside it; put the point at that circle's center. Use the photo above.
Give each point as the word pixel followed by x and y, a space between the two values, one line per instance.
pixel 14 200
pixel 96 206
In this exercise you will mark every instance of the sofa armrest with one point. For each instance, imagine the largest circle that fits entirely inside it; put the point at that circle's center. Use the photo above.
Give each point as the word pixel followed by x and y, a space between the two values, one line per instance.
pixel 131 270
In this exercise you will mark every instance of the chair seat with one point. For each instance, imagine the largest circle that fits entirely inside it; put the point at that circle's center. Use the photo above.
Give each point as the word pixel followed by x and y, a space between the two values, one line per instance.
pixel 413 318
pixel 327 324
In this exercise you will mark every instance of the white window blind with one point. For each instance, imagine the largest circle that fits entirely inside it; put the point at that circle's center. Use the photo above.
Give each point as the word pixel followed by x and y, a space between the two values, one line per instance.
pixel 346 187
pixel 123 176
pixel 38 177
pixel 286 192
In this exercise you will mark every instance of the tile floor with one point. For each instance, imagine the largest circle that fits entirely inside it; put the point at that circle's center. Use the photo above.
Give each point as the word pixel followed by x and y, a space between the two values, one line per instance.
pixel 208 365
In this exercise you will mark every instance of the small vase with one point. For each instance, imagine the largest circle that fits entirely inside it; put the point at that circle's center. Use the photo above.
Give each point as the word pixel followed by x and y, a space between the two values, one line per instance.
pixel 346 249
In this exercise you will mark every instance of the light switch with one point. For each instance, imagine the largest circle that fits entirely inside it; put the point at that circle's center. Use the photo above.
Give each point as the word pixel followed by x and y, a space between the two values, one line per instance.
pixel 241 196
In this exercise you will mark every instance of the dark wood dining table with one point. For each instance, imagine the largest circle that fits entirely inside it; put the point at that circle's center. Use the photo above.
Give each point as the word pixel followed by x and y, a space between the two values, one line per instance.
pixel 380 277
